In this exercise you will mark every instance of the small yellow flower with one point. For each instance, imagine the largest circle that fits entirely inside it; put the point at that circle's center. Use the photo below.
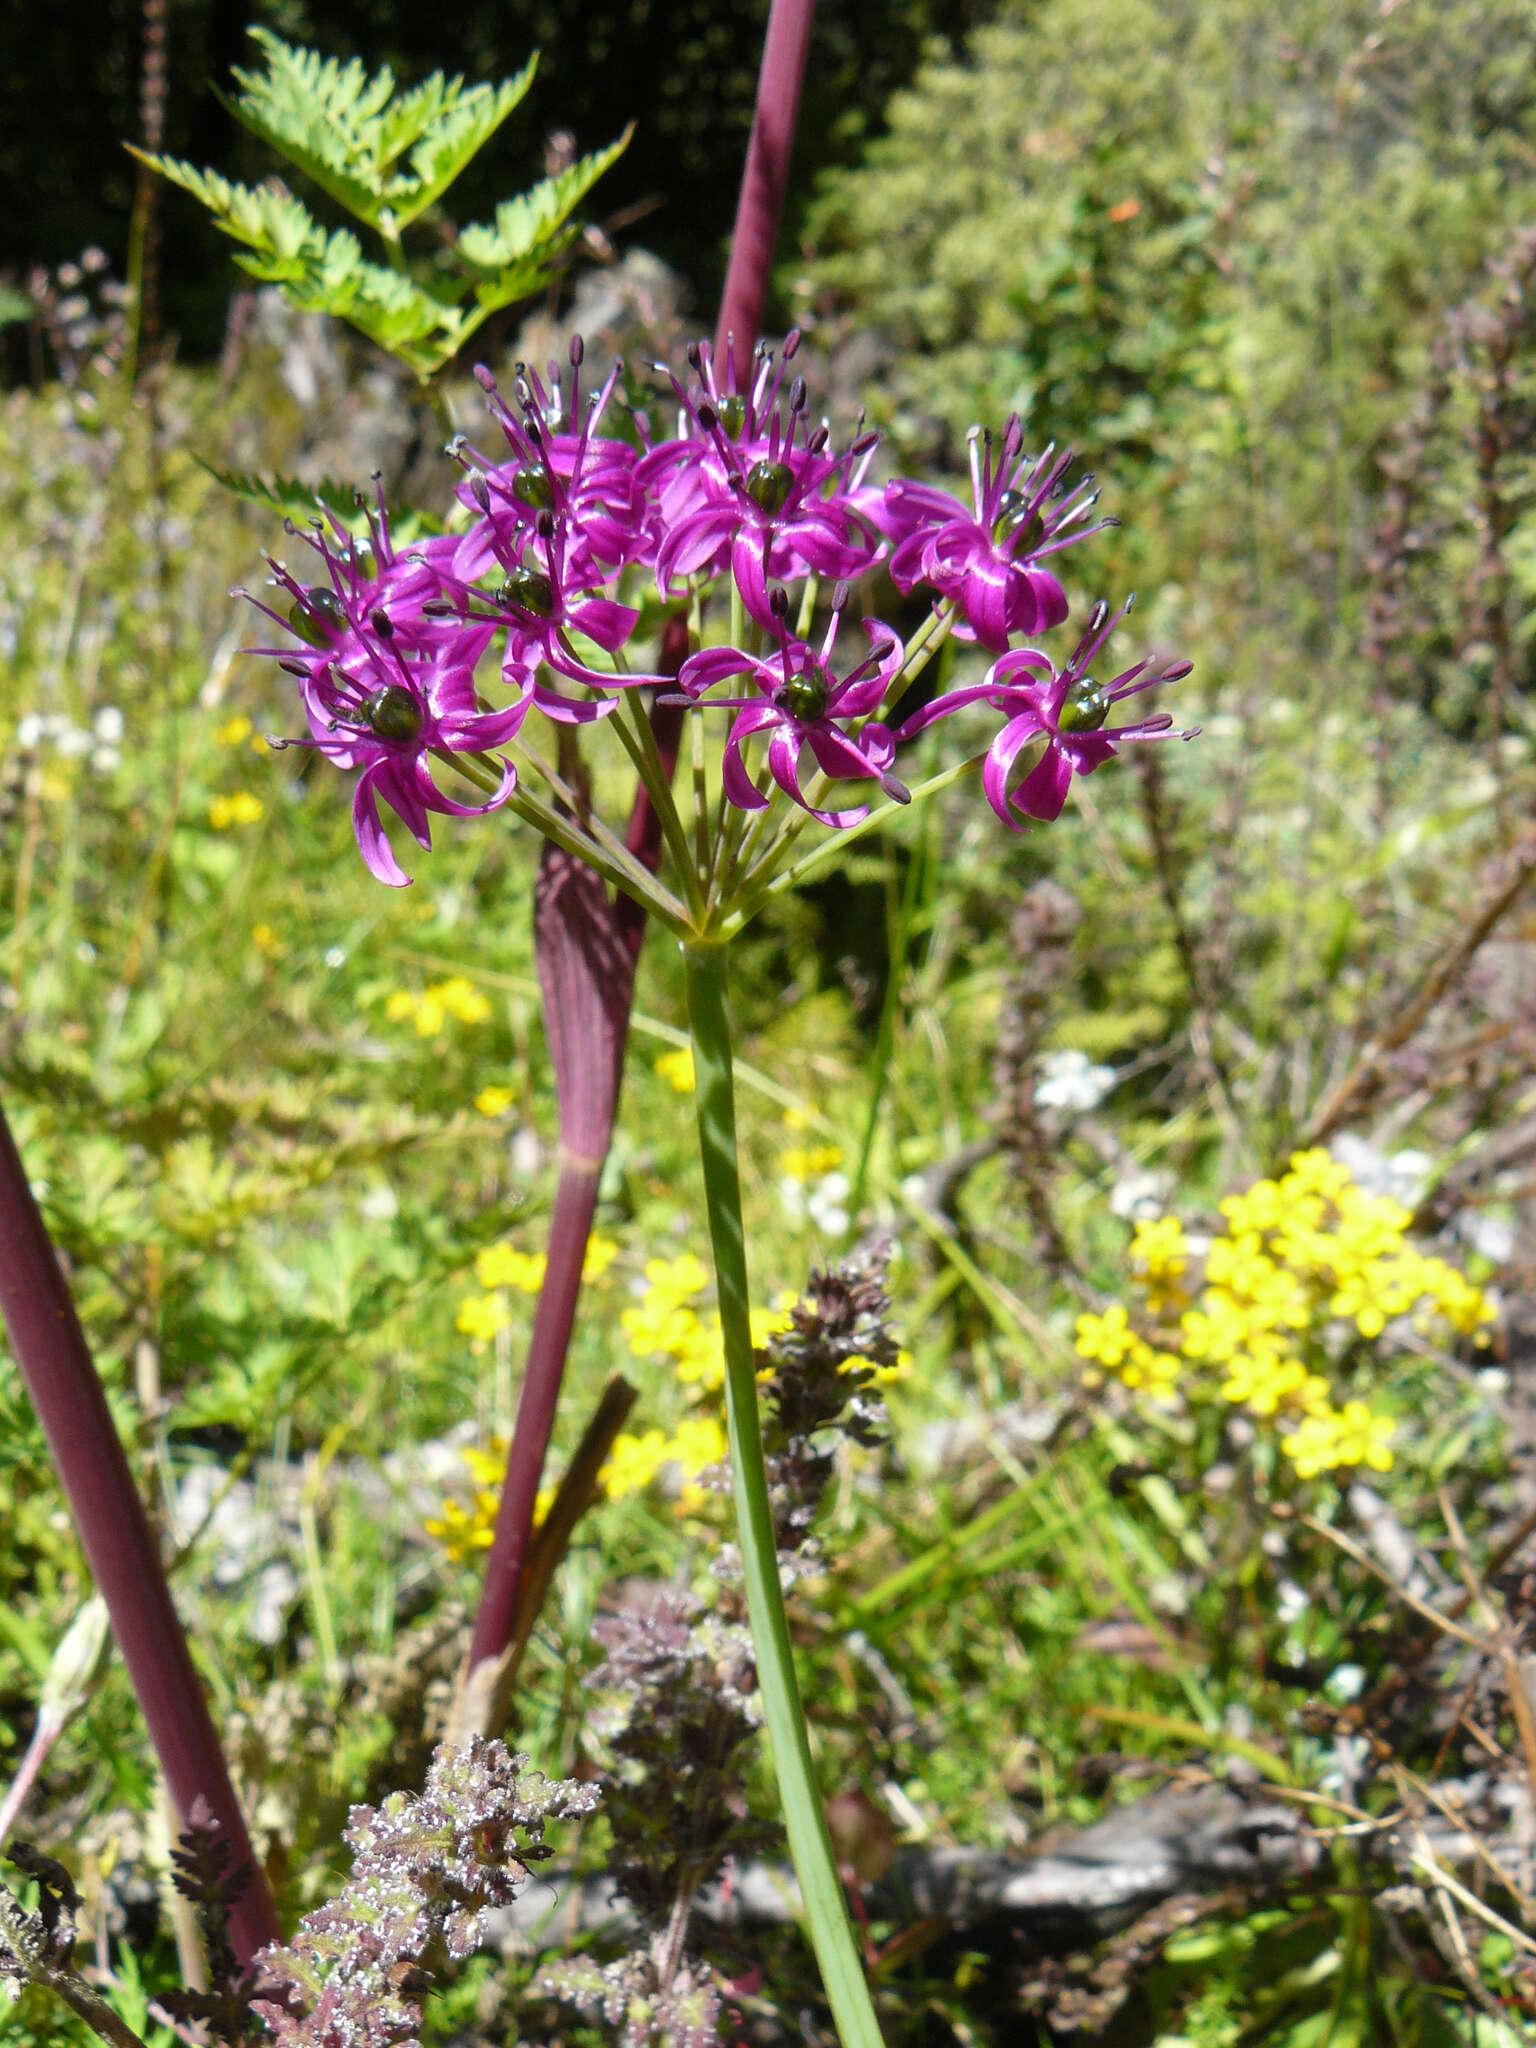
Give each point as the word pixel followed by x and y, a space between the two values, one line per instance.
pixel 601 1253
pixel 633 1463
pixel 461 999
pixel 796 1118
pixel 233 732
pixel 658 1326
pixel 242 808
pixel 494 1101
pixel 676 1280
pixel 810 1162
pixel 677 1067
pixel 502 1265
pixel 1107 1338
pixel 265 940
pixel 481 1316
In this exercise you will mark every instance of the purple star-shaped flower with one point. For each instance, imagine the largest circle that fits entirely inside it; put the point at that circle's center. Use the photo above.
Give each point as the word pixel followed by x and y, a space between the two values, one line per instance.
pixel 387 679
pixel 559 466
pixel 1066 708
pixel 988 557
pixel 742 489
pixel 801 703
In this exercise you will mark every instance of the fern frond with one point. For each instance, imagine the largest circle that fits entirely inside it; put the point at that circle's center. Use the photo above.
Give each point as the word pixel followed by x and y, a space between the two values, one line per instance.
pixel 300 502
pixel 349 132
pixel 266 217
pixel 534 217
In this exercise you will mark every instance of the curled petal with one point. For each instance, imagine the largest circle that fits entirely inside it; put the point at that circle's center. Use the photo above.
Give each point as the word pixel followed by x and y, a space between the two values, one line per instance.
pixel 750 571
pixel 944 707
pixel 378 856
pixel 998 766
pixel 711 665
pixel 738 785
pixel 1044 789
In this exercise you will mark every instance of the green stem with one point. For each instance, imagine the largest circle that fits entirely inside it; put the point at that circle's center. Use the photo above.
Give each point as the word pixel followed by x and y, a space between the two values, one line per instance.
pixel 809 1844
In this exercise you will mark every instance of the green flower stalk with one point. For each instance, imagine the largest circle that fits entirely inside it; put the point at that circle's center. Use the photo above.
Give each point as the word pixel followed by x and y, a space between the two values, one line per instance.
pixel 810 1845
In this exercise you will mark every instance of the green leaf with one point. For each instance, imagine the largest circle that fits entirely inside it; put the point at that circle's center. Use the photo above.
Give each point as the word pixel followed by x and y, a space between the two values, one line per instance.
pixel 385 159
pixel 265 217
pixel 526 223
pixel 14 306
pixel 297 501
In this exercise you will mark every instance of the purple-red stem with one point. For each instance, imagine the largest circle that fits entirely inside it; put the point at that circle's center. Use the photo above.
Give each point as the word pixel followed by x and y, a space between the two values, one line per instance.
pixel 588 948
pixel 119 1545
pixel 570 990
pixel 765 177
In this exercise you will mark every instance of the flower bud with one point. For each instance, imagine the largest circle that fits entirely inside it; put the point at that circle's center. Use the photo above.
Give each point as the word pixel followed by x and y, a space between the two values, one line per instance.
pixel 1084 708
pixel 394 713
pixel 529 590
pixel 534 487
pixel 769 485
pixel 319 618
pixel 805 695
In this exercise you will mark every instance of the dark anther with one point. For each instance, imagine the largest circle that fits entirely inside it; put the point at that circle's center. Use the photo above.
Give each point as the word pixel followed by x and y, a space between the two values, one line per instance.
pixel 695 355
pixel 797 395
pixel 578 351
pixel 382 623
pixel 709 419
pixel 778 603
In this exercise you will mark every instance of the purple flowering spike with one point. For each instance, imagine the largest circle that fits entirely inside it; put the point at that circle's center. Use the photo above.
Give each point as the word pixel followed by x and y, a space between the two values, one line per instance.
pixel 800 703
pixel 988 557
pixel 1066 708
pixel 739 487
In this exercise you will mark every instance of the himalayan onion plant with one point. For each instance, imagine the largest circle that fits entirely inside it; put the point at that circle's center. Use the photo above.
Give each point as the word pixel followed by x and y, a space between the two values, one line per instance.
pixel 464 675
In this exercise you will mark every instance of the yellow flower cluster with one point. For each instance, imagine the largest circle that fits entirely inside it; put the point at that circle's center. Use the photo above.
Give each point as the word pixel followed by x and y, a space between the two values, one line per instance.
pixel 494 1101
pixel 236 731
pixel 462 1529
pixel 809 1162
pixel 503 1266
pixel 635 1461
pixel 457 997
pixel 633 1464
pixel 677 1068
pixel 1300 1255
pixel 663 1323
pixel 242 808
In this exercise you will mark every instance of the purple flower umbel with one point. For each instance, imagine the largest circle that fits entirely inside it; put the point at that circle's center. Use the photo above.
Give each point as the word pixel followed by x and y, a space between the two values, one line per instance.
pixel 387 679
pixel 988 557
pixel 800 703
pixel 1066 708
